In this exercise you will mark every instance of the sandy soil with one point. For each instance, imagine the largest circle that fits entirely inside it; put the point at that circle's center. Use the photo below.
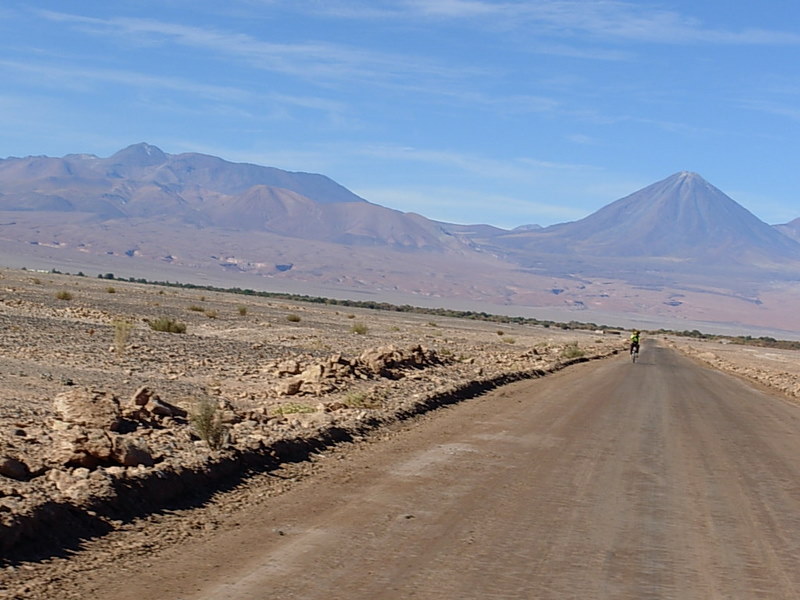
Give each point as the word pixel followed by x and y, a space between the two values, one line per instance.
pixel 663 479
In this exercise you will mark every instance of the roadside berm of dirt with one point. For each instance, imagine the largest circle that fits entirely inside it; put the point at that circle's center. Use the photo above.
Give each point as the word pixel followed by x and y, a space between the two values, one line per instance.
pixel 104 418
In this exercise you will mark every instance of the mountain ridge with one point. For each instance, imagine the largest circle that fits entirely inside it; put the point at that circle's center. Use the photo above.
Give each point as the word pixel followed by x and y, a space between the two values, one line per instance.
pixel 677 249
pixel 681 217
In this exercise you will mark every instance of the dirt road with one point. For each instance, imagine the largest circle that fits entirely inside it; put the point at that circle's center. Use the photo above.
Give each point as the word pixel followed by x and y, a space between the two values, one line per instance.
pixel 608 480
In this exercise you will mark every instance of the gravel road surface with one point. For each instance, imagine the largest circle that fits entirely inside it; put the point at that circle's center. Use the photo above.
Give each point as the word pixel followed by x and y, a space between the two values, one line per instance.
pixel 661 479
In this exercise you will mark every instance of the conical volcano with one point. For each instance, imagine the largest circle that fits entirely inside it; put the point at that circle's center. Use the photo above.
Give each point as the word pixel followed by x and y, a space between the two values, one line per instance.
pixel 682 217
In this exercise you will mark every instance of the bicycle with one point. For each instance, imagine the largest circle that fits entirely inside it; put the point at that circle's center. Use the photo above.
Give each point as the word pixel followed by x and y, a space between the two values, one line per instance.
pixel 634 352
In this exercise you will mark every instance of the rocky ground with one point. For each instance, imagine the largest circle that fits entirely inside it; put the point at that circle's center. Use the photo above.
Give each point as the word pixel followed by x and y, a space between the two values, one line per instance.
pixel 104 418
pixel 771 367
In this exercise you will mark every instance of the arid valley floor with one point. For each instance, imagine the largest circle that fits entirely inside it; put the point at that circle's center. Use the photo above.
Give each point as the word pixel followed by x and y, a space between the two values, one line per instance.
pixel 102 417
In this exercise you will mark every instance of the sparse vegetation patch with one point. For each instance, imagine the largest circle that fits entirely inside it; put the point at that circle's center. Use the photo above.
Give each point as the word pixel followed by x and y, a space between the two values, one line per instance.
pixel 167 324
pixel 122 332
pixel 291 408
pixel 359 328
pixel 572 351
pixel 206 419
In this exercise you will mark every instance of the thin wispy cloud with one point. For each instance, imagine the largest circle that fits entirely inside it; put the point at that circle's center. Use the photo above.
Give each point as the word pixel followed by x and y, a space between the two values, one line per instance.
pixel 536 103
pixel 306 60
pixel 501 169
pixel 606 19
pixel 64 75
pixel 791 111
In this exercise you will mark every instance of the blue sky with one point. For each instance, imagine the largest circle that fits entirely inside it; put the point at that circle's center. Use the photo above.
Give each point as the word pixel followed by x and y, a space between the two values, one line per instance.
pixel 506 112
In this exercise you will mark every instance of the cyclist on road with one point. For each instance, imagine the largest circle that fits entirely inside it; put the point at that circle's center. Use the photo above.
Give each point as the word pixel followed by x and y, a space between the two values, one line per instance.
pixel 635 341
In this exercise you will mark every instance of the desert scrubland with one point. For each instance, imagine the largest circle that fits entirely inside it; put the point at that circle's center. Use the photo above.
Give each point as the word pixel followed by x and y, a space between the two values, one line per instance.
pixel 103 414
pixel 114 430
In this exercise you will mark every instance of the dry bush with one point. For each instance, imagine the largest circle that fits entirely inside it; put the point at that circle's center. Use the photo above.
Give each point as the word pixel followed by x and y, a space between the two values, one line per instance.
pixel 363 400
pixel 291 408
pixel 64 295
pixel 168 325
pixel 206 419
pixel 359 328
pixel 122 332
pixel 572 351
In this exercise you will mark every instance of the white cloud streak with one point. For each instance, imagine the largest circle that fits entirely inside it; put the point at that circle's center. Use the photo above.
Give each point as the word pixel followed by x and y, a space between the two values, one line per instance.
pixel 307 60
pixel 603 19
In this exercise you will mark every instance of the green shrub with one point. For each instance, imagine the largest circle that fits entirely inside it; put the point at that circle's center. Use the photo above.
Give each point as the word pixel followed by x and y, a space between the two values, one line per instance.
pixel 111 290
pixel 293 318
pixel 206 420
pixel 167 324
pixel 242 310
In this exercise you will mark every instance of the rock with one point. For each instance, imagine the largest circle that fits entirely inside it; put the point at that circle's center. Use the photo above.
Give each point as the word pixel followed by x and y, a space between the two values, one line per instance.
pixel 159 407
pixel 130 452
pixel 141 396
pixel 88 408
pixel 82 448
pixel 288 387
pixel 81 473
pixel 288 367
pixel 14 468
pixel 313 374
pixel 379 359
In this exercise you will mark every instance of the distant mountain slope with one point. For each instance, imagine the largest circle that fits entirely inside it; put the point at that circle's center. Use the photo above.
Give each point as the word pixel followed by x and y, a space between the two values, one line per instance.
pixel 681 217
pixel 142 182
pixel 678 249
pixel 791 229
pixel 144 165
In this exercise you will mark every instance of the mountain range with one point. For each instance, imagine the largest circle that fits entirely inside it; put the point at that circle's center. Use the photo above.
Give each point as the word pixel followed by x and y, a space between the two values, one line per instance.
pixel 679 250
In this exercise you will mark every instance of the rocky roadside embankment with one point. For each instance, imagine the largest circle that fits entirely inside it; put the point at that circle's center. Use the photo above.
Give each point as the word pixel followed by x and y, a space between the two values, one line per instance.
pixel 108 460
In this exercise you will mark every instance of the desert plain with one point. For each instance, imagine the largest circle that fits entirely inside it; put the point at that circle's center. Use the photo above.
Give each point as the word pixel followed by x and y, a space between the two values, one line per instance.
pixel 107 425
